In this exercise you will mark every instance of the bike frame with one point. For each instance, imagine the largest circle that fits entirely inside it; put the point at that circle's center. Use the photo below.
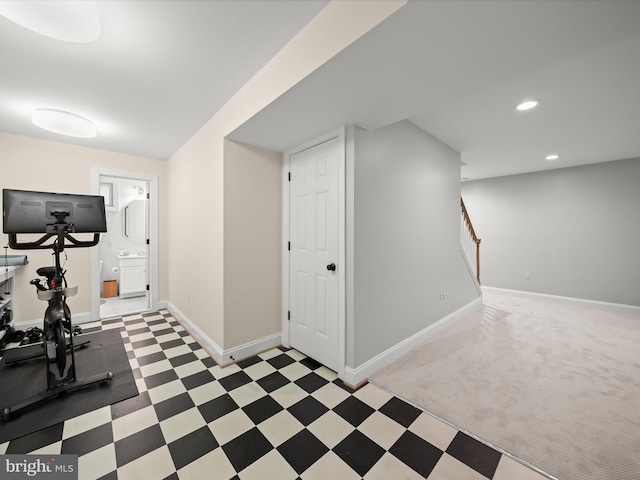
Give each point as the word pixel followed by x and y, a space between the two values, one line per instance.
pixel 57 313
pixel 57 310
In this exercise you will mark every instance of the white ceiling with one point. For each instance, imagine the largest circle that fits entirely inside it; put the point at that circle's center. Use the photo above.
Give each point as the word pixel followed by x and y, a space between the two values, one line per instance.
pixel 159 71
pixel 457 69
pixel 454 68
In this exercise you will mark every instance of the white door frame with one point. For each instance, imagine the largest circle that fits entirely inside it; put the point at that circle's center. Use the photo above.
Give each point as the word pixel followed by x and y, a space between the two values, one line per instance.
pixel 152 248
pixel 342 265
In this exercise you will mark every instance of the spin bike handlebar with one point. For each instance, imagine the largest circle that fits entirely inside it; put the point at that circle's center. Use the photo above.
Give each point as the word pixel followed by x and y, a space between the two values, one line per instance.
pixel 61 230
pixel 39 244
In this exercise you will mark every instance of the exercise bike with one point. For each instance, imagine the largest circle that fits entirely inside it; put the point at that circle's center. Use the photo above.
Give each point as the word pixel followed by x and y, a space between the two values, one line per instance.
pixel 58 348
pixel 57 320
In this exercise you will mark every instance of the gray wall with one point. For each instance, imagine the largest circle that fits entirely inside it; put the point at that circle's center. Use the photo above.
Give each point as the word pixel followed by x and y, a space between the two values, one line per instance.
pixel 406 237
pixel 576 230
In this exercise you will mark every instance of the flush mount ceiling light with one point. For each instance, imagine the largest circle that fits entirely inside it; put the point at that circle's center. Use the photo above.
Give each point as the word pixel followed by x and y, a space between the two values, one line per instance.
pixel 64 123
pixel 527 105
pixel 69 21
pixel 553 156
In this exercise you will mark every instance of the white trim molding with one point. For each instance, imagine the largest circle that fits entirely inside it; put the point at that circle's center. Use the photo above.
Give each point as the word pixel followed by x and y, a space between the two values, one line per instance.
pixel 617 307
pixel 76 319
pixel 471 271
pixel 355 376
pixel 250 349
pixel 231 355
pixel 153 247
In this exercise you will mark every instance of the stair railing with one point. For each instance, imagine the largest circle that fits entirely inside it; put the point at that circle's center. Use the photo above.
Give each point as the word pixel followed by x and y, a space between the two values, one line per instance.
pixel 471 236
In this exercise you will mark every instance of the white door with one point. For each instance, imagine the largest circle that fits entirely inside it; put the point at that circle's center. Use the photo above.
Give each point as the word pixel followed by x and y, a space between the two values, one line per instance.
pixel 314 266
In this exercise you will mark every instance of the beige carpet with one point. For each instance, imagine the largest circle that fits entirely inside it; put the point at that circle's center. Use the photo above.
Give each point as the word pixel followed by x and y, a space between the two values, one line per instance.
pixel 553 384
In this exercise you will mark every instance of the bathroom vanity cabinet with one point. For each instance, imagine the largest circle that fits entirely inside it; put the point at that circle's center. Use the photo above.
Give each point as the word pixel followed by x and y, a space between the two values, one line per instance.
pixel 133 276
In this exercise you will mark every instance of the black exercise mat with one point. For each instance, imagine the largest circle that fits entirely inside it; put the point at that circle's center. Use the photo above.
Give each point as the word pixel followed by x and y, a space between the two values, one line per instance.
pixel 105 353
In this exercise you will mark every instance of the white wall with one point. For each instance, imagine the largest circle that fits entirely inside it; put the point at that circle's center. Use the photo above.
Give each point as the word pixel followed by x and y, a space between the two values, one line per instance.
pixel 198 182
pixel 253 243
pixel 195 234
pixel 575 230
pixel 406 238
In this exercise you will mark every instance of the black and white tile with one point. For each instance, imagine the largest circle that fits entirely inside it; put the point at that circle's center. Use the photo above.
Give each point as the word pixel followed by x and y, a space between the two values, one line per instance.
pixel 279 415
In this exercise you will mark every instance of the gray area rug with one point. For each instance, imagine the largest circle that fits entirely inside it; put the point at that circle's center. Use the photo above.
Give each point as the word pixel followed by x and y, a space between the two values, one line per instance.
pixel 553 384
pixel 105 352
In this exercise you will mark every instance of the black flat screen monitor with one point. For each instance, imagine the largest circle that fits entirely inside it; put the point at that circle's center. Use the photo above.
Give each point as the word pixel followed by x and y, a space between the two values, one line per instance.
pixel 25 211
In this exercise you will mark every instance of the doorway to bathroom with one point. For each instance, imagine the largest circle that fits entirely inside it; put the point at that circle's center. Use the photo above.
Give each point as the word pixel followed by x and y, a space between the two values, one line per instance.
pixel 123 280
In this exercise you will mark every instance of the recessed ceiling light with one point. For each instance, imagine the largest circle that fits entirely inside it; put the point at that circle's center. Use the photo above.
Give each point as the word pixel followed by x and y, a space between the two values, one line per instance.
pixel 553 156
pixel 64 123
pixel 70 21
pixel 527 105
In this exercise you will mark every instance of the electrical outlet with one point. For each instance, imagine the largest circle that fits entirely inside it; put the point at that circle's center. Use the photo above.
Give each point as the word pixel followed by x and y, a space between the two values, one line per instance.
pixel 189 296
pixel 443 294
pixel 527 275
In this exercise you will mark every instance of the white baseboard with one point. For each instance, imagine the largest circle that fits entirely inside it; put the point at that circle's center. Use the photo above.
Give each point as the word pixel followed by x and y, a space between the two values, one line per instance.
pixel 355 376
pixel 76 318
pixel 250 349
pixel 616 307
pixel 231 355
pixel 203 339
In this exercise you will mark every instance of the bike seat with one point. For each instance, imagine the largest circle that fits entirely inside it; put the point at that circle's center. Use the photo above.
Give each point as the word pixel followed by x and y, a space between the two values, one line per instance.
pixel 48 272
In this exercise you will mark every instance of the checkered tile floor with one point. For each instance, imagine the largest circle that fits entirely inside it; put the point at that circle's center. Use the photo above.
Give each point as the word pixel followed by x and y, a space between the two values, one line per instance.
pixel 279 415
